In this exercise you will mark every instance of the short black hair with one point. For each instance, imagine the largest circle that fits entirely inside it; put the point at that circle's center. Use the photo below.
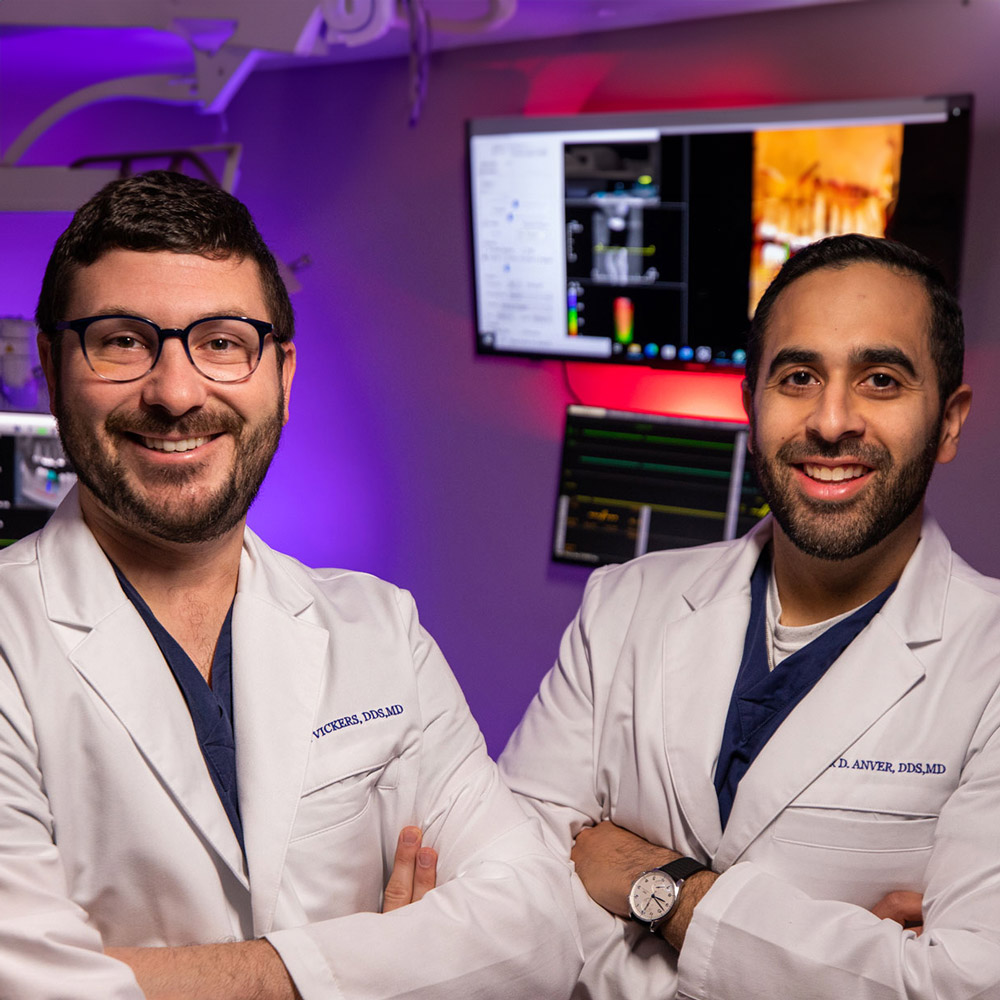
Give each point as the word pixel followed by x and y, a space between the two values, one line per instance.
pixel 946 333
pixel 160 210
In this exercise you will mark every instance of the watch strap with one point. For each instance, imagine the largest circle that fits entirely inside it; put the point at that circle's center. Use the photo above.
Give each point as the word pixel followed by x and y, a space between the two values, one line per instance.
pixel 682 868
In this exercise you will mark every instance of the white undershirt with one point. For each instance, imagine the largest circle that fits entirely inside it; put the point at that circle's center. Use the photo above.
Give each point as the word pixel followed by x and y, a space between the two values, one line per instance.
pixel 783 640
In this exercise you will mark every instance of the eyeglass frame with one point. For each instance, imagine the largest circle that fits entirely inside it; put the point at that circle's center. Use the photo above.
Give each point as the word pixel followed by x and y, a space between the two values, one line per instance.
pixel 79 327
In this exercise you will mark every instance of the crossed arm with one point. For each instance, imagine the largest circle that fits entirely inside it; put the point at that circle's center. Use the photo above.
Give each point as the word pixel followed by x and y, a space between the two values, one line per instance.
pixel 608 859
pixel 243 969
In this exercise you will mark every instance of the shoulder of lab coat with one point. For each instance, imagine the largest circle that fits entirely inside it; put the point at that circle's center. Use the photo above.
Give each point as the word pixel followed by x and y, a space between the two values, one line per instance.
pixel 46 940
pixel 557 760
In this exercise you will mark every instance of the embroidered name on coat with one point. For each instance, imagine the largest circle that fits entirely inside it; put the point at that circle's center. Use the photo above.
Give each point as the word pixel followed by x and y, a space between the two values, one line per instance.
pixel 357 719
pixel 890 767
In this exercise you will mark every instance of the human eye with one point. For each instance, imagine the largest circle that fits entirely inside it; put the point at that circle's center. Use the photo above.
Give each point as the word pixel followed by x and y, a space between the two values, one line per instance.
pixel 219 345
pixel 224 347
pixel 120 337
pixel 881 382
pixel 799 378
pixel 122 342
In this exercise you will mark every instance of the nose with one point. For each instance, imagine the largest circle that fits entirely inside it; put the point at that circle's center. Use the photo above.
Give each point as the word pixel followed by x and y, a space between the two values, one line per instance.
pixel 837 413
pixel 174 385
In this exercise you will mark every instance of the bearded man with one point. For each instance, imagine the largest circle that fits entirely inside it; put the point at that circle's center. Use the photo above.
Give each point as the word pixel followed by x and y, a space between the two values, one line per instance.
pixel 776 761
pixel 223 774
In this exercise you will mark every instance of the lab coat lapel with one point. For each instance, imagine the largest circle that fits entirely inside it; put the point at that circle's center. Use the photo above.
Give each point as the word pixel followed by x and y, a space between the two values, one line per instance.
pixel 871 676
pixel 702 653
pixel 113 650
pixel 278 662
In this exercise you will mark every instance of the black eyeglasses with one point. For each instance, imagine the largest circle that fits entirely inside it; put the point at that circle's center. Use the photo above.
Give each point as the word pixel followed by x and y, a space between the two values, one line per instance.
pixel 124 348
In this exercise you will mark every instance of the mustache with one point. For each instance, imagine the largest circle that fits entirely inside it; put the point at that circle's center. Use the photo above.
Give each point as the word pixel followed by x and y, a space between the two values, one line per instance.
pixel 190 425
pixel 865 453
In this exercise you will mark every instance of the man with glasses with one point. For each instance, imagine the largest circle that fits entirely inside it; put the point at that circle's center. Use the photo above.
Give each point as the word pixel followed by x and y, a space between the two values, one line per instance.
pixel 216 765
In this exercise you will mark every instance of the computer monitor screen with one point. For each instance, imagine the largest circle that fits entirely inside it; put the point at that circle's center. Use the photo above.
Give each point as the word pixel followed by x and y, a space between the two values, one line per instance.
pixel 632 483
pixel 34 473
pixel 648 238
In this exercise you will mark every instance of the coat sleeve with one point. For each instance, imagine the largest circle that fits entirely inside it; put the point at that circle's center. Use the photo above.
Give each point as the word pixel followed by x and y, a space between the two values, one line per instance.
pixel 754 934
pixel 48 948
pixel 500 922
pixel 552 763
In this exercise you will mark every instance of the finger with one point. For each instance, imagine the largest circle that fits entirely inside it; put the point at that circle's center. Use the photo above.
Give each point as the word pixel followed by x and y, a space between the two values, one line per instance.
pixel 425 875
pixel 902 906
pixel 399 888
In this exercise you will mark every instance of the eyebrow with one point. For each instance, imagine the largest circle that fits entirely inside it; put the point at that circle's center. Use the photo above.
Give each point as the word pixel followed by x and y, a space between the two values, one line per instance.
pixel 114 310
pixel 885 355
pixel 792 356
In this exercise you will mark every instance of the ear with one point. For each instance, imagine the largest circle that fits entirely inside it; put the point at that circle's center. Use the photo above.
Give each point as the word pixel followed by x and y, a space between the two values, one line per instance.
pixel 956 409
pixel 45 357
pixel 748 409
pixel 287 372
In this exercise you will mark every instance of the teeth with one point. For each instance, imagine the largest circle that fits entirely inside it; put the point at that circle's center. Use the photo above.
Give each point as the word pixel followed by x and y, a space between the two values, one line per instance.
pixel 839 472
pixel 159 444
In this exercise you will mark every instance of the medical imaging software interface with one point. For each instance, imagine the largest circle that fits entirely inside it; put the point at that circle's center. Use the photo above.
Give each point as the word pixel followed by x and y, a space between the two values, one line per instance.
pixel 647 239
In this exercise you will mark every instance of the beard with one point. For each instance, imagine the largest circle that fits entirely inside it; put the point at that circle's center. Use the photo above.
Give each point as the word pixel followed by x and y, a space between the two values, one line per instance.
pixel 842 529
pixel 165 508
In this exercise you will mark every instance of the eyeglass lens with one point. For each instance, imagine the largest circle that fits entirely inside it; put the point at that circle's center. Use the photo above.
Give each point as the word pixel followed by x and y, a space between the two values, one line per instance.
pixel 120 349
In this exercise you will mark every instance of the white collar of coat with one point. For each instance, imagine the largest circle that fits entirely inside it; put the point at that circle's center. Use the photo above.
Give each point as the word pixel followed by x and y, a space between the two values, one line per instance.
pixel 80 587
pixel 915 611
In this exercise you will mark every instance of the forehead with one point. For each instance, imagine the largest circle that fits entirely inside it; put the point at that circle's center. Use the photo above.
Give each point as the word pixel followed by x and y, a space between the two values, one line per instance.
pixel 169 288
pixel 837 311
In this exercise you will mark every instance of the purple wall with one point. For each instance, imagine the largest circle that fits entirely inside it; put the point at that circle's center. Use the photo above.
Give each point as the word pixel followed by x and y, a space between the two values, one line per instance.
pixel 409 457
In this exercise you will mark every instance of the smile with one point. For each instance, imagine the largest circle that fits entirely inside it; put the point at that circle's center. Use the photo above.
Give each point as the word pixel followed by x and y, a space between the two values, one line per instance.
pixel 185 444
pixel 836 474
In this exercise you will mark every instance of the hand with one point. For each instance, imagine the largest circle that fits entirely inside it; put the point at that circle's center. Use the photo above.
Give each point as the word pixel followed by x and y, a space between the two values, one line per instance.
pixel 608 859
pixel 414 871
pixel 906 908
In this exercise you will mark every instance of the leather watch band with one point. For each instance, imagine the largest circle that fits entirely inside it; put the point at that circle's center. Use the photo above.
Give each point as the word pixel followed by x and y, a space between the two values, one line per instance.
pixel 682 868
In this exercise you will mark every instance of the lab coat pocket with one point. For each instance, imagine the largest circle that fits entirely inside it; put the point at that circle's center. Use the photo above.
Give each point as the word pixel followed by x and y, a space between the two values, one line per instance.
pixel 335 862
pixel 333 803
pixel 853 855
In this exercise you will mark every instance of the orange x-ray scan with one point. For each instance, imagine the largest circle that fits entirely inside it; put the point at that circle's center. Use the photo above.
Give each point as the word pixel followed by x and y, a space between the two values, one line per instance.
pixel 811 183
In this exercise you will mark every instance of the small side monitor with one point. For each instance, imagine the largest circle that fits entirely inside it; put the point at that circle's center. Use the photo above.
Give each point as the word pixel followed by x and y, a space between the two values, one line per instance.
pixel 632 483
pixel 34 473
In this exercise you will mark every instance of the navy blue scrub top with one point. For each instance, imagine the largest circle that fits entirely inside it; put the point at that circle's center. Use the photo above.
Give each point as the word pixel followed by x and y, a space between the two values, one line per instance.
pixel 211 708
pixel 762 698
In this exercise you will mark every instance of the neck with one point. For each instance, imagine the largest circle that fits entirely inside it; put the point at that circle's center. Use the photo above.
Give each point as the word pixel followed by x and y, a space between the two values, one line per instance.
pixel 161 570
pixel 812 589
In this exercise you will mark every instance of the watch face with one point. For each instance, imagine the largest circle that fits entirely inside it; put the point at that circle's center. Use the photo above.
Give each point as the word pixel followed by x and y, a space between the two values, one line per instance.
pixel 652 896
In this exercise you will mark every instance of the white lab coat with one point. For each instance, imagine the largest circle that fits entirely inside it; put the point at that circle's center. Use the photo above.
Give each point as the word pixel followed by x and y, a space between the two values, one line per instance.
pixel 111 831
pixel 628 725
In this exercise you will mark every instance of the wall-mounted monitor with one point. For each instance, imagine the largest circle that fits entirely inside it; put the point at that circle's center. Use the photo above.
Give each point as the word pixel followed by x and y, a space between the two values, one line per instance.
pixel 34 472
pixel 631 483
pixel 648 238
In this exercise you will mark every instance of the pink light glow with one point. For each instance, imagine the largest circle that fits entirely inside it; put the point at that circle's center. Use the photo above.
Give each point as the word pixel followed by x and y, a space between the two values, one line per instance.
pixel 710 395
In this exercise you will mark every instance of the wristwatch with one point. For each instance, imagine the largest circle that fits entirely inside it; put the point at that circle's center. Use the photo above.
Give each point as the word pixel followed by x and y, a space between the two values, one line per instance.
pixel 654 893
